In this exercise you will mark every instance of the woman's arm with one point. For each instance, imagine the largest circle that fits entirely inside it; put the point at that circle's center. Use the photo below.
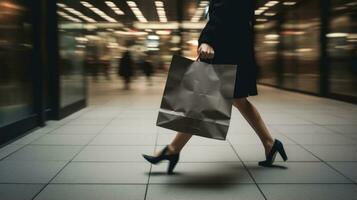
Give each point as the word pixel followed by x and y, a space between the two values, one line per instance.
pixel 207 39
pixel 215 19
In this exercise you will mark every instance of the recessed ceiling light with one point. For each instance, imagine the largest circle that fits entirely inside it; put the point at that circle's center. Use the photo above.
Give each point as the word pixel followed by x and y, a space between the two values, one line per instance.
pixel 269 14
pixel 139 15
pixel 271 3
pixel 77 13
pixel 64 15
pixel 289 3
pixel 114 8
pixel 98 12
pixel 161 11
pixel 261 20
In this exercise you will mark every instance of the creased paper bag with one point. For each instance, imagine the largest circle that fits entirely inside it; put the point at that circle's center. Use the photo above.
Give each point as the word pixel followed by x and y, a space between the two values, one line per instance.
pixel 198 98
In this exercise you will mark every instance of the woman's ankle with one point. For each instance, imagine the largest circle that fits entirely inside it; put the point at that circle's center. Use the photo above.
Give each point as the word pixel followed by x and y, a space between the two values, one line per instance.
pixel 172 149
pixel 268 144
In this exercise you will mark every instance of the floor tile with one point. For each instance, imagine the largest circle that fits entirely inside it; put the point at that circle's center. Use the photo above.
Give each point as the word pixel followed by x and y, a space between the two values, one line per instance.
pixel 322 139
pixel 44 153
pixel 59 139
pixel 132 122
pixel 19 191
pixel 207 192
pixel 27 139
pixel 351 136
pixel 102 121
pixel 92 192
pixel 99 115
pixel 114 153
pixel 349 169
pixel 239 139
pixel 124 139
pixel 240 130
pixel 302 129
pixel 334 152
pixel 29 171
pixel 9 149
pixel 309 191
pixel 347 129
pixel 199 173
pixel 302 172
pixel 96 172
pixel 152 117
pixel 130 129
pixel 79 129
pixel 45 129
pixel 283 119
pixel 256 153
pixel 324 119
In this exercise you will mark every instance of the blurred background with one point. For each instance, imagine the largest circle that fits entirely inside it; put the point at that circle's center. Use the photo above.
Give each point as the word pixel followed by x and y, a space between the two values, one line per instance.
pixel 50 50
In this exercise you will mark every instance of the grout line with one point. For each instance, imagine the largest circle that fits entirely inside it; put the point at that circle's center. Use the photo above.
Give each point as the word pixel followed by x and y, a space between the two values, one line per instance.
pixel 326 163
pixel 340 134
pixel 49 132
pixel 38 139
pixel 148 183
pixel 320 125
pixel 246 168
pixel 59 171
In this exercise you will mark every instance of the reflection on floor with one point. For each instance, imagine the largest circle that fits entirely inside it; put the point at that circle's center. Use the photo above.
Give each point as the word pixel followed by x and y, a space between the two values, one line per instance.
pixel 96 153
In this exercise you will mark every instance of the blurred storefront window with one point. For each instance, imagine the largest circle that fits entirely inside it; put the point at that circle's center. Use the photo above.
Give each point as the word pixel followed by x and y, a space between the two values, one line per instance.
pixel 16 48
pixel 342 48
pixel 71 57
pixel 300 37
pixel 267 41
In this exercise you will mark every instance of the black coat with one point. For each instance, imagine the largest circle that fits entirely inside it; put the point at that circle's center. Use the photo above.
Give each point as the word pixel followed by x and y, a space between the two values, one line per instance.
pixel 229 31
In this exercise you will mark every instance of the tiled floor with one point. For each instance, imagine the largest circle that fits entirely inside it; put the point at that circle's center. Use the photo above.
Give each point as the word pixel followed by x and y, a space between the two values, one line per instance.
pixel 95 154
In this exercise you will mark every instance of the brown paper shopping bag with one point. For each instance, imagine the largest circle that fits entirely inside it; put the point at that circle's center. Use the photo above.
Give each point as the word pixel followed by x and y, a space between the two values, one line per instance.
pixel 198 98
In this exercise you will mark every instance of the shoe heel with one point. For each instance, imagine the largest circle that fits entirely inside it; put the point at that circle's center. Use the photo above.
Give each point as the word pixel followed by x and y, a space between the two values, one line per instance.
pixel 172 164
pixel 283 153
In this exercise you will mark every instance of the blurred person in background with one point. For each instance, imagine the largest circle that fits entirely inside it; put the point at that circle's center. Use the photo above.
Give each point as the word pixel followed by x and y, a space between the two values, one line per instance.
pixel 126 69
pixel 227 38
pixel 105 66
pixel 147 68
pixel 91 66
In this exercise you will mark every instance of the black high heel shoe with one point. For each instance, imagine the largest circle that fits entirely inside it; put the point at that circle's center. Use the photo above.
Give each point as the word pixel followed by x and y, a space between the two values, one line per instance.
pixel 270 158
pixel 172 158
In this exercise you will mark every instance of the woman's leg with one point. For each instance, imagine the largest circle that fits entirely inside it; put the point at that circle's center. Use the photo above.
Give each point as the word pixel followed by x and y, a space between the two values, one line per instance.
pixel 251 114
pixel 178 142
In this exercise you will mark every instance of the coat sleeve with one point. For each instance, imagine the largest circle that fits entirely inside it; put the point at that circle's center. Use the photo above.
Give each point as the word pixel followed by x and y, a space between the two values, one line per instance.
pixel 208 34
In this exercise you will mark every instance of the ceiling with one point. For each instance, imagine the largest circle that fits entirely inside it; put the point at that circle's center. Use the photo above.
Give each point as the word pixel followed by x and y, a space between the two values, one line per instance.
pixel 147 8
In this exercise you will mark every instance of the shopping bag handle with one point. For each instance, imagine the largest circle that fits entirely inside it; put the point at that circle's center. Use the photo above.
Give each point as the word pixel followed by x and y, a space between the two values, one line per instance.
pixel 198 59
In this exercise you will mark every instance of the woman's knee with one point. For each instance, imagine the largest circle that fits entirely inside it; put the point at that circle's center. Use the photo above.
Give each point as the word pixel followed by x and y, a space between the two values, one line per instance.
pixel 238 103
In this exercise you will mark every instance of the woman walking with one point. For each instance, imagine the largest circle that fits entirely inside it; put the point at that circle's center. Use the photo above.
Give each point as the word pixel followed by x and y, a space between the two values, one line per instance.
pixel 228 39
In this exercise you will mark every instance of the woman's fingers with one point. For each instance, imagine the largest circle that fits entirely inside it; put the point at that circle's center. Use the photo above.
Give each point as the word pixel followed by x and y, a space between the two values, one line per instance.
pixel 205 51
pixel 206 54
pixel 210 53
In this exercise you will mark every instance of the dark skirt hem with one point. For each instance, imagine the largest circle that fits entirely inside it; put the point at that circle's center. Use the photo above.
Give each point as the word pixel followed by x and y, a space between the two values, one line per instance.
pixel 245 95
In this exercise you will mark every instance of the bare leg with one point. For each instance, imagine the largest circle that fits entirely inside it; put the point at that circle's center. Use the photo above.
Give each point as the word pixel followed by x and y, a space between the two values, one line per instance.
pixel 178 142
pixel 251 114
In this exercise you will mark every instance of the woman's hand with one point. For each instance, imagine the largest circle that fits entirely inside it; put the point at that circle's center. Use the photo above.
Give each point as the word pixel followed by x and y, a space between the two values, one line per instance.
pixel 205 51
